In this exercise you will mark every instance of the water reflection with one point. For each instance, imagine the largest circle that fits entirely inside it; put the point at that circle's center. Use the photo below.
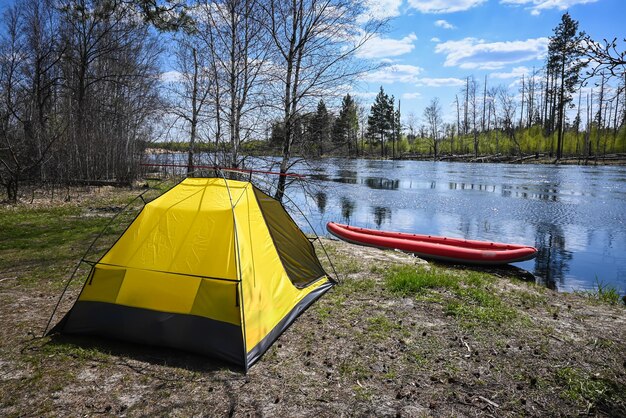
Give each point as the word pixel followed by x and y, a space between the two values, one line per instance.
pixel 547 193
pixel 347 208
pixel 471 186
pixel 346 177
pixel 381 215
pixel 320 200
pixel 320 177
pixel 553 258
pixel 381 183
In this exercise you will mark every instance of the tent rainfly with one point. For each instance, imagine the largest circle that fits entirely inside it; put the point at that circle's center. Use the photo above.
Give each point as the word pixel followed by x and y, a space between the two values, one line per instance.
pixel 213 266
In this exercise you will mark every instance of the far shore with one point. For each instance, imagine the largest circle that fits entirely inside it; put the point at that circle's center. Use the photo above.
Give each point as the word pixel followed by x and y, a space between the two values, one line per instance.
pixel 540 158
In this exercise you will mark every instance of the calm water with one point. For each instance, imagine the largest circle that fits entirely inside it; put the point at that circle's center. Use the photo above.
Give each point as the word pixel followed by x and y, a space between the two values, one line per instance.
pixel 575 216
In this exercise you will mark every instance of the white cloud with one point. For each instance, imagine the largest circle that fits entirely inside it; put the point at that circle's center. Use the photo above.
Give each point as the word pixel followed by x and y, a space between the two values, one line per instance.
pixel 444 6
pixel 398 73
pixel 378 47
pixel 364 94
pixel 410 96
pixel 435 39
pixel 440 82
pixel 382 9
pixel 171 76
pixel 514 73
pixel 536 6
pixel 444 24
pixel 471 53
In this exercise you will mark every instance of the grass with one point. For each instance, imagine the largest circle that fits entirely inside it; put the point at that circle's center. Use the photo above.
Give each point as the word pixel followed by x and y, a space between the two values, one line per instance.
pixel 470 297
pixel 480 307
pixel 596 392
pixel 407 280
pixel 358 286
pixel 603 293
pixel 379 327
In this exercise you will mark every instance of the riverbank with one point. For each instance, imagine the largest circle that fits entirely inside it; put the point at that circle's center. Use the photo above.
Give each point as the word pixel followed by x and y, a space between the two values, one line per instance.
pixel 609 159
pixel 398 336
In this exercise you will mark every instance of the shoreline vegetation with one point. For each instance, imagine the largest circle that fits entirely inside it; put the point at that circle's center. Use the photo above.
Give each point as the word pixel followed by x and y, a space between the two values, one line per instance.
pixel 535 158
pixel 397 337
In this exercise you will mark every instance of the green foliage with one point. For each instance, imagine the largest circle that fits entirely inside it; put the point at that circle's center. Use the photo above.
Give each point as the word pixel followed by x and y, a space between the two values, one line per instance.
pixel 408 280
pixel 380 122
pixel 320 128
pixel 347 124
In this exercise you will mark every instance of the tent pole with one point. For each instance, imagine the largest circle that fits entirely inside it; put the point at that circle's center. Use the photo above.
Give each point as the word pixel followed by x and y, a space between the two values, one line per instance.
pixel 240 284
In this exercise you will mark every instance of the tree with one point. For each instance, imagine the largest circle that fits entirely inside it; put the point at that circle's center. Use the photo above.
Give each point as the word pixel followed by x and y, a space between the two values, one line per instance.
pixel 564 52
pixel 232 33
pixel 315 41
pixel 432 116
pixel 346 126
pixel 606 56
pixel 411 124
pixel 190 93
pixel 380 122
pixel 397 131
pixel 13 148
pixel 320 127
pixel 508 108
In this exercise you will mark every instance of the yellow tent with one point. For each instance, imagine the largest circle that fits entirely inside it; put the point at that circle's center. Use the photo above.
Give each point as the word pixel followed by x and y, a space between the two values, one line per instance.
pixel 213 266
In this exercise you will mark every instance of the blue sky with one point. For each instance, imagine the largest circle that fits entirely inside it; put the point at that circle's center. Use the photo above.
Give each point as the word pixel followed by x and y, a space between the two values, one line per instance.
pixel 431 46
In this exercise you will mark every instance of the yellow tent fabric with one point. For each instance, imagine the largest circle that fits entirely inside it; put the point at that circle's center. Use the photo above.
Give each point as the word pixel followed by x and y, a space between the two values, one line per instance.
pixel 213 266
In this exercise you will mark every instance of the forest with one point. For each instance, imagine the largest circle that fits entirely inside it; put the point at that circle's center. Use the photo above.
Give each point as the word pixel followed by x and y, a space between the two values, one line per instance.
pixel 83 92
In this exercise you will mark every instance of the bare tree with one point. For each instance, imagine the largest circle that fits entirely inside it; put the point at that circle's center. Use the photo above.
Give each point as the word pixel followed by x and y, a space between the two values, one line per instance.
pixel 473 89
pixel 109 72
pixel 188 94
pixel 232 32
pixel 315 41
pixel 508 108
pixel 607 57
pixel 432 116
pixel 14 150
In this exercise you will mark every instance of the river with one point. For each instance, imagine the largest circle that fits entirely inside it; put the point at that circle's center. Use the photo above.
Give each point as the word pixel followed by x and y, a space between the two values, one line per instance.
pixel 574 215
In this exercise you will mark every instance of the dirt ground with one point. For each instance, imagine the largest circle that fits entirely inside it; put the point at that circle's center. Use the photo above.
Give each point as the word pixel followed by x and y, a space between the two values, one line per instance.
pixel 361 350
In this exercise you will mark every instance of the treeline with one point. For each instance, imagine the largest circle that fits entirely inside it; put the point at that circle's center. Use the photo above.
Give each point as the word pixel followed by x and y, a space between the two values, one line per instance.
pixel 82 91
pixel 78 91
pixel 574 106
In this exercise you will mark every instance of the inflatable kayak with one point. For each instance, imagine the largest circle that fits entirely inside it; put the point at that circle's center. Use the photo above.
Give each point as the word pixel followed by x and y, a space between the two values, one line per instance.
pixel 436 248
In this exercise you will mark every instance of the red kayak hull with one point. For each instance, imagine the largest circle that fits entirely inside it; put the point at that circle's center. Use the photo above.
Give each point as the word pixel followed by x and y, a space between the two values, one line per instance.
pixel 436 248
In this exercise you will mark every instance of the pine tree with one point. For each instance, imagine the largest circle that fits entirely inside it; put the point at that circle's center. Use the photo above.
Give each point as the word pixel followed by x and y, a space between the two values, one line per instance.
pixel 380 120
pixel 320 127
pixel 564 52
pixel 346 126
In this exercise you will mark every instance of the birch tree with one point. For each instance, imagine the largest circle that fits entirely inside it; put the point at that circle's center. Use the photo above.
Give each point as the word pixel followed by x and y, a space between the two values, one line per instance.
pixel 315 41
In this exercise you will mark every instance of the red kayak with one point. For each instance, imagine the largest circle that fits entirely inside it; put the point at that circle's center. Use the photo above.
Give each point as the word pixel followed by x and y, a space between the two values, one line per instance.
pixel 436 248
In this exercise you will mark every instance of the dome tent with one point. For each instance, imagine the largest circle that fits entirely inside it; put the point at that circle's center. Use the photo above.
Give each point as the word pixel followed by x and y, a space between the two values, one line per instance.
pixel 213 266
